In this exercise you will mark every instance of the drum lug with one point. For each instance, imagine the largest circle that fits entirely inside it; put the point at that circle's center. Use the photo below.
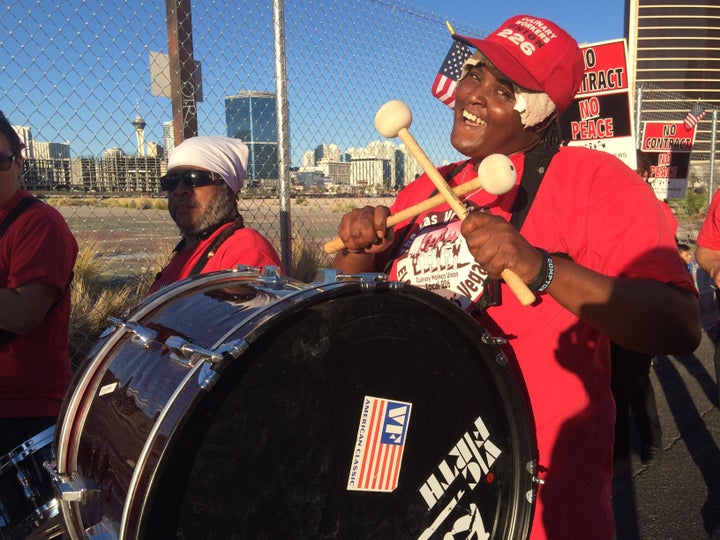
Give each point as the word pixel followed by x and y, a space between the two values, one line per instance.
pixel 69 490
pixel 490 340
pixel 231 350
pixel 143 336
pixel 327 275
pixel 207 377
pixel 531 494
pixel 189 354
pixel 270 278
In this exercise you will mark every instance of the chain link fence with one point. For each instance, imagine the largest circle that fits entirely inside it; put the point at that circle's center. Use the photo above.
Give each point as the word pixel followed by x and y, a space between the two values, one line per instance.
pixel 654 104
pixel 78 87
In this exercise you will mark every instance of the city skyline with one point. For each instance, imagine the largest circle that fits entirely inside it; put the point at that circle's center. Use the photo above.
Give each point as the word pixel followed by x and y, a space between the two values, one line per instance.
pixel 58 85
pixel 381 165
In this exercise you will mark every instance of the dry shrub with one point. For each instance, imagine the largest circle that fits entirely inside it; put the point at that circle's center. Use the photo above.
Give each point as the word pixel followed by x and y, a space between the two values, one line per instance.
pixel 95 297
pixel 343 208
pixel 308 256
pixel 71 201
pixel 137 203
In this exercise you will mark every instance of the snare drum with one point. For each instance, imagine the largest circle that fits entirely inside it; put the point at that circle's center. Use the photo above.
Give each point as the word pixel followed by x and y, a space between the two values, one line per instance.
pixel 240 404
pixel 28 508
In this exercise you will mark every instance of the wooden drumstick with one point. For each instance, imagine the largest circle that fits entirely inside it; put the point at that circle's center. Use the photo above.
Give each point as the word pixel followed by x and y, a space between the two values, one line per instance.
pixel 496 175
pixel 393 120
pixel 336 244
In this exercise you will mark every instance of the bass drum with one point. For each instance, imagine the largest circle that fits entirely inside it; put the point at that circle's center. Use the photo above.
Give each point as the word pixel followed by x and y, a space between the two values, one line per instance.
pixel 240 404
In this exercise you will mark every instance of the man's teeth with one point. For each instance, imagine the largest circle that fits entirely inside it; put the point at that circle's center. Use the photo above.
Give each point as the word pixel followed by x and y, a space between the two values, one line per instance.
pixel 474 119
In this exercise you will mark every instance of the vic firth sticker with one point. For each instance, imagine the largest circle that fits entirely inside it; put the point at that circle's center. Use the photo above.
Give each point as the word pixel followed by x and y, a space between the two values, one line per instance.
pixel 461 471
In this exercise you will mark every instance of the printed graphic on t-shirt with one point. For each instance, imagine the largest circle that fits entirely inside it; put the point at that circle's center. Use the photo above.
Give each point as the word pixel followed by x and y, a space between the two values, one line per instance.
pixel 438 260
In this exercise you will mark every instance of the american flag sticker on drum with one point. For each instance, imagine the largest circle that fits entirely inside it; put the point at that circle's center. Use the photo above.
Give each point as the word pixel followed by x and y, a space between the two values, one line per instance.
pixel 379 445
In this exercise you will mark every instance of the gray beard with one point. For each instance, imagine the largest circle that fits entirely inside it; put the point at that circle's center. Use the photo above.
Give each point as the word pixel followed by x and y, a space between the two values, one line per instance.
pixel 220 210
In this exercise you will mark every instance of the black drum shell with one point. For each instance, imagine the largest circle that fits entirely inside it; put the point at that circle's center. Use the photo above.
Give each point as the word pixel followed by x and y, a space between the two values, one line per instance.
pixel 266 449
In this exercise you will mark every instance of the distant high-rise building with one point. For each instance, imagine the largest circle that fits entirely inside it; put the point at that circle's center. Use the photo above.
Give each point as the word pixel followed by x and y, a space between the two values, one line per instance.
pixel 168 136
pixel 139 125
pixel 25 135
pixel 327 152
pixel 674 51
pixel 155 150
pixel 386 150
pixel 370 172
pixel 45 164
pixel 252 117
pixel 113 152
pixel 308 159
pixel 50 150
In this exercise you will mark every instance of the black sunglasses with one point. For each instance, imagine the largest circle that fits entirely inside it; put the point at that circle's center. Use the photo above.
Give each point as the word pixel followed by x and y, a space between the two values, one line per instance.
pixel 189 179
pixel 6 161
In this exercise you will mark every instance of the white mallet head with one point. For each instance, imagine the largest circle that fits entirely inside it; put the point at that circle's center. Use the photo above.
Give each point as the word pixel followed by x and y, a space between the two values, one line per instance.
pixel 392 117
pixel 497 174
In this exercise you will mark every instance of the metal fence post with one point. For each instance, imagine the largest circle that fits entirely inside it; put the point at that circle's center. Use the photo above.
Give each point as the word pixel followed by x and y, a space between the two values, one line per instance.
pixel 283 135
pixel 713 135
pixel 638 114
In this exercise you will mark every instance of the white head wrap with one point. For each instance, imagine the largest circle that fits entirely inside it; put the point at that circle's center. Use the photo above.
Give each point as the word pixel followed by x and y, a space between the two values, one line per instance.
pixel 534 107
pixel 222 155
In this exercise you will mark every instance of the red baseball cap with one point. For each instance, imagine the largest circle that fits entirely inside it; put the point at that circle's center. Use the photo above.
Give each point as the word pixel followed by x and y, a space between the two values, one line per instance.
pixel 535 54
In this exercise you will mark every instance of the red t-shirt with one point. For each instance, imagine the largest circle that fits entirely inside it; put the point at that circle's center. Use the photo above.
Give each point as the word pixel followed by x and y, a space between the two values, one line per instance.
pixel 709 236
pixel 597 210
pixel 34 368
pixel 245 246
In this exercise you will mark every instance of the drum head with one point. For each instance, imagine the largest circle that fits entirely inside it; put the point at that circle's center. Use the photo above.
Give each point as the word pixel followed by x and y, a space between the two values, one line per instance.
pixel 354 414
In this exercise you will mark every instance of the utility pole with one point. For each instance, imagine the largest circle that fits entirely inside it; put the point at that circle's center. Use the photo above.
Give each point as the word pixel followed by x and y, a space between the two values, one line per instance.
pixel 182 69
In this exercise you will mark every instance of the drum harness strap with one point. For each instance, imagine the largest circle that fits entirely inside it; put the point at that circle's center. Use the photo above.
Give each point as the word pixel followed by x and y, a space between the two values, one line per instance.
pixel 19 208
pixel 209 252
pixel 15 212
pixel 215 244
pixel 537 161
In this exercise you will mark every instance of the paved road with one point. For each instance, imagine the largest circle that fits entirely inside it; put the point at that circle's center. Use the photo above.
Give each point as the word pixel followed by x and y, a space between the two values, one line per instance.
pixel 678 498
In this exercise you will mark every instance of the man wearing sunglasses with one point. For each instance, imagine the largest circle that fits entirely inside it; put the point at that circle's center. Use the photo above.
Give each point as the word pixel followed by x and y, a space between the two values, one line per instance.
pixel 37 256
pixel 203 179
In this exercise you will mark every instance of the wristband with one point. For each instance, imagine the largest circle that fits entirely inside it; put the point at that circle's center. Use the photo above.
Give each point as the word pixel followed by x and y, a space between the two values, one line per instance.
pixel 547 272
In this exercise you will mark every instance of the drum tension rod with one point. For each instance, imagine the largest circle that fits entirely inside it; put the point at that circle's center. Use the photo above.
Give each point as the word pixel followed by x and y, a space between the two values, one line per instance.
pixel 325 276
pixel 143 336
pixel 189 354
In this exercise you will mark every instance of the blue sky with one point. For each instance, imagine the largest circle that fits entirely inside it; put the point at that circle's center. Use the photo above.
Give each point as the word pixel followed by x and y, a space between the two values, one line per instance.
pixel 586 21
pixel 78 71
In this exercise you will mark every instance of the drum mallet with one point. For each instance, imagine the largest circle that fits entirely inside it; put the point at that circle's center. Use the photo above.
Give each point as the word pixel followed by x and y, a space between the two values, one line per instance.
pixel 496 175
pixel 393 120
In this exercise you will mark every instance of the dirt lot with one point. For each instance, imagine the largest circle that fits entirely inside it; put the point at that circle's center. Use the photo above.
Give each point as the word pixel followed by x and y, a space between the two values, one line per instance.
pixel 130 240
